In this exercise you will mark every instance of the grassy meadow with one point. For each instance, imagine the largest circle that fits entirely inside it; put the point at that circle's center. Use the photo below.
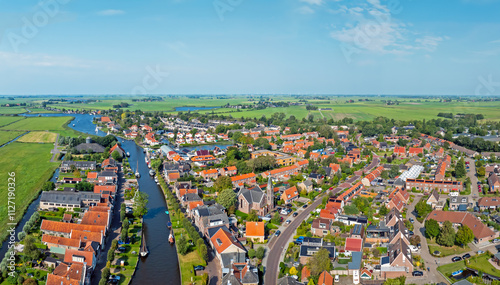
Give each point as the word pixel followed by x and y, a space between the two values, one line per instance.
pixel 7 136
pixel 53 124
pixel 32 166
pixel 39 137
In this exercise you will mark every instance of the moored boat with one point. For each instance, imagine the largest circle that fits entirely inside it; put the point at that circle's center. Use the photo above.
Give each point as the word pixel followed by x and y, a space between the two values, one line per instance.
pixel 144 249
pixel 137 174
pixel 169 225
pixel 171 239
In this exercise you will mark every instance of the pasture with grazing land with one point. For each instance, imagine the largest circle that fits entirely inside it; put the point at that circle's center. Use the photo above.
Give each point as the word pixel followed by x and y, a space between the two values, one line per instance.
pixel 39 137
pixel 6 136
pixel 53 124
pixel 32 167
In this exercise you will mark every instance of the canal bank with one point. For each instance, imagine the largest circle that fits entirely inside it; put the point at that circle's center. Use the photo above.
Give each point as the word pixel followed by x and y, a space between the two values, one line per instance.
pixel 161 266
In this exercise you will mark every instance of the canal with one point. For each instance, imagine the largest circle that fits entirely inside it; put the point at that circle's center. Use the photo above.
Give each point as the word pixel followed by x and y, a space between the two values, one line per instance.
pixel 161 266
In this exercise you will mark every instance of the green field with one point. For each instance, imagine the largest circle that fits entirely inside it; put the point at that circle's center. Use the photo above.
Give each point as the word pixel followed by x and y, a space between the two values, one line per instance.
pixel 39 137
pixel 478 262
pixel 53 124
pixel 408 108
pixel 5 120
pixel 30 163
pixel 6 136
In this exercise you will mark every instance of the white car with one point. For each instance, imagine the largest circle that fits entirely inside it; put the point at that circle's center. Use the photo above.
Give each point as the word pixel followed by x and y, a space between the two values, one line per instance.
pixel 337 278
pixel 413 248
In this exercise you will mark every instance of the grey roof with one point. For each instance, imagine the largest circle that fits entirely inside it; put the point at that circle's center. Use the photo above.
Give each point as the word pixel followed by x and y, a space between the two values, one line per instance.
pixel 462 282
pixel 232 257
pixel 94 147
pixel 206 211
pixel 79 164
pixel 310 250
pixel 107 173
pixel 459 200
pixel 307 183
pixel 221 219
pixel 356 260
pixel 68 197
pixel 189 197
pixel 287 280
pixel 230 279
pixel 252 195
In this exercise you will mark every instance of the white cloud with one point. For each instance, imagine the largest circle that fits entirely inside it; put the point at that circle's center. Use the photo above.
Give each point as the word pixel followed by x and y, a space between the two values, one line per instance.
pixel 110 12
pixel 372 27
pixel 40 60
pixel 305 10
pixel 313 2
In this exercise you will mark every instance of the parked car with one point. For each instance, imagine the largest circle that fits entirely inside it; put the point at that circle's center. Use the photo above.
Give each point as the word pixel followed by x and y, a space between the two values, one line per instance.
pixel 337 278
pixel 419 246
pixel 304 206
pixel 456 258
pixel 284 212
pixel 480 252
pixel 496 240
pixel 410 233
pixel 122 249
pixel 417 273
pixel 114 279
pixel 413 248
pixel 437 252
pixel 277 233
pixel 199 268
pixel 411 220
pixel 465 256
pixel 288 222
pixel 295 214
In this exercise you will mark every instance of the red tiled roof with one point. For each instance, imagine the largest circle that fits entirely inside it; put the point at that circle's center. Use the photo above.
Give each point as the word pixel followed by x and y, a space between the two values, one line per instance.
pixel 61 227
pixel 222 240
pixel 87 255
pixel 353 244
pixel 61 241
pixel 255 229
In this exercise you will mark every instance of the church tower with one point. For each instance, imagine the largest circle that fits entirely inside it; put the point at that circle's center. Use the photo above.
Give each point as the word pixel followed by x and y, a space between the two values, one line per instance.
pixel 270 194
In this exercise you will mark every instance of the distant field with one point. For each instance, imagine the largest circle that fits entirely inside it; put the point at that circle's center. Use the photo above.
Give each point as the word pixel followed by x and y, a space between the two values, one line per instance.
pixel 5 120
pixel 30 162
pixel 7 136
pixel 54 124
pixel 408 109
pixel 39 137
pixel 12 110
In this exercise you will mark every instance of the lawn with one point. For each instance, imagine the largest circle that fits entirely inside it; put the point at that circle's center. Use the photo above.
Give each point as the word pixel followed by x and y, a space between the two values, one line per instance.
pixel 482 264
pixel 447 269
pixel 7 136
pixel 53 124
pixel 32 167
pixel 446 251
pixel 39 137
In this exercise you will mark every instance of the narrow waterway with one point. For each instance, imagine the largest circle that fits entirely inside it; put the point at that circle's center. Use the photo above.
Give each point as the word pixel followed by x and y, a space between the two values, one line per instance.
pixel 161 266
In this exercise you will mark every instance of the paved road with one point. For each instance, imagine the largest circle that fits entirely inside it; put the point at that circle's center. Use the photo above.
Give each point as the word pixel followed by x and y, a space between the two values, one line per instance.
pixel 473 179
pixel 280 244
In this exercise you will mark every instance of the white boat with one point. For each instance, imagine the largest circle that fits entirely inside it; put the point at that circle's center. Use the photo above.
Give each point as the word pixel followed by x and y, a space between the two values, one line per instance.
pixel 137 174
pixel 151 172
pixel 144 249
pixel 128 154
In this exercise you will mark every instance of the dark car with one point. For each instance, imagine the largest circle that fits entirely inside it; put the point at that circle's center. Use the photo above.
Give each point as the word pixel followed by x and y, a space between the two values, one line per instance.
pixel 289 205
pixel 410 233
pixel 456 258
pixel 277 233
pixel 199 268
pixel 417 273
pixel 465 256
pixel 305 206
pixel 122 249
pixel 295 214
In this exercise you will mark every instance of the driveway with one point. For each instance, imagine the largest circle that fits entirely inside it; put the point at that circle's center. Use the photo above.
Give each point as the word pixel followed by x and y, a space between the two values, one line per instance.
pixel 473 179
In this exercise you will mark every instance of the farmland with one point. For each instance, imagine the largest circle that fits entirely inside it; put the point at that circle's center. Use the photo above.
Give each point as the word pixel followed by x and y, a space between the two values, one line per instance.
pixel 53 124
pixel 5 120
pixel 6 137
pixel 30 163
pixel 39 137
pixel 337 107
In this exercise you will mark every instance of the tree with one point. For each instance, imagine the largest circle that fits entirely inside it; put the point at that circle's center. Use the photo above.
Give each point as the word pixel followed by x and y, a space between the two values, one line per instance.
pixel 251 253
pixel 320 262
pixel 222 183
pixel 276 219
pixel 447 235
pixel 111 255
pixel 260 252
pixel 415 240
pixel 30 281
pixel 431 228
pixel 30 249
pixel 293 271
pixel 460 168
pixel 395 281
pixel 408 225
pixel 116 156
pixel 227 198
pixel 481 171
pixel 464 235
pixel 311 282
pixel 376 252
pixel 351 210
pixel 383 210
pixel 394 171
pixel 182 245
pixel 423 208
pixel 123 211
pixel 252 216
pixel 48 186
pixel 140 203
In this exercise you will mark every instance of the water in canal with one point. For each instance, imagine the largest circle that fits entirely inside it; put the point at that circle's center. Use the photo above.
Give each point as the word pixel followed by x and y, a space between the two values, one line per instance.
pixel 161 266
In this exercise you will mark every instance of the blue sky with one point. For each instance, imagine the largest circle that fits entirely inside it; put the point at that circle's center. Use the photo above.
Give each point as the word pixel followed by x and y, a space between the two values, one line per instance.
pixel 250 47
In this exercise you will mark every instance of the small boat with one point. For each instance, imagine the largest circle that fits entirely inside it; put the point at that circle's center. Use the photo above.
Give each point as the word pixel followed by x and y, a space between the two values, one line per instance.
pixel 137 174
pixel 144 150
pixel 458 272
pixel 144 249
pixel 156 179
pixel 151 172
pixel 169 225
pixel 128 154
pixel 171 239
pixel 73 125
